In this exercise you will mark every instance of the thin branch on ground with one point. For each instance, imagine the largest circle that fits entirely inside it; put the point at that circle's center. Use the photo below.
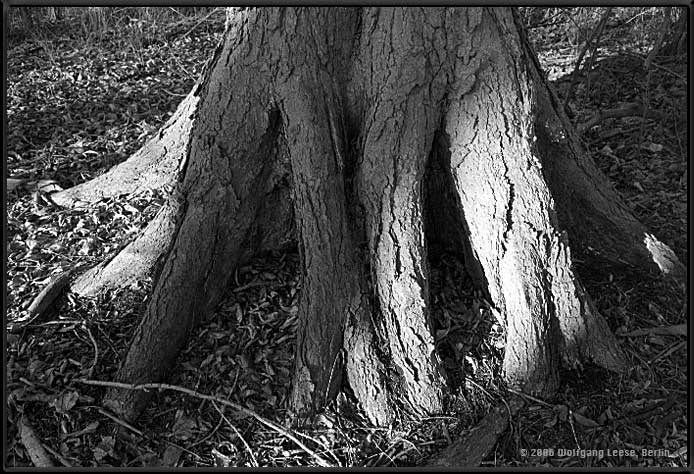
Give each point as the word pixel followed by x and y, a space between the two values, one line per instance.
pixel 33 445
pixel 117 420
pixel 254 461
pixel 96 350
pixel 57 455
pixel 163 386
pixel 531 398
pixel 627 110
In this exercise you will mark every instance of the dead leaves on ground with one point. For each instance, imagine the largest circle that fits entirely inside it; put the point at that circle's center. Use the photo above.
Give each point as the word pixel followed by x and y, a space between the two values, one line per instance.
pixel 83 109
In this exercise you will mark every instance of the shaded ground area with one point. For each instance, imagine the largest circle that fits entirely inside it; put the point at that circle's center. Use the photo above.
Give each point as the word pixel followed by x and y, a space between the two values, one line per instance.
pixel 76 109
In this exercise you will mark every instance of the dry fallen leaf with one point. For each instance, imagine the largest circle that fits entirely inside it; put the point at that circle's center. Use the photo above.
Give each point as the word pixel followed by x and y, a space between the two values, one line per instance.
pixel 64 402
pixel 584 421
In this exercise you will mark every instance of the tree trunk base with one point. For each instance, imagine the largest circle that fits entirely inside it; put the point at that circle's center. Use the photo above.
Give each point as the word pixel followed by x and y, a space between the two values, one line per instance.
pixel 345 141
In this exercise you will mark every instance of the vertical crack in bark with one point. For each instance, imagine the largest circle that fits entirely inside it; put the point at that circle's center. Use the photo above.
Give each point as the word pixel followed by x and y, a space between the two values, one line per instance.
pixel 397 141
pixel 509 204
pixel 497 153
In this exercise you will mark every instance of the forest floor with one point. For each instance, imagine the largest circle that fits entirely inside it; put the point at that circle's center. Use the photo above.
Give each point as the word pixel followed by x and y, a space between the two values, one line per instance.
pixel 77 107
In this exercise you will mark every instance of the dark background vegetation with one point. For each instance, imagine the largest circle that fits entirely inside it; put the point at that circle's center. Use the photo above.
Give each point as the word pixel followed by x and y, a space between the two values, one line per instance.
pixel 88 86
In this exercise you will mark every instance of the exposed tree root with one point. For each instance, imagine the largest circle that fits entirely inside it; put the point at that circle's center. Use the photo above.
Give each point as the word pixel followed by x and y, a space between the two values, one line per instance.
pixel 222 190
pixel 153 166
pixel 366 372
pixel 515 236
pixel 137 260
pixel 585 335
pixel 627 110
pixel 600 225
pixel 505 205
pixel 327 248
pixel 398 132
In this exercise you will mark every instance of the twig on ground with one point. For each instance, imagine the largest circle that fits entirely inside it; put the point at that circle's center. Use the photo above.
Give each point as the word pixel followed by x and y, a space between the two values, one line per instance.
pixel 123 423
pixel 209 435
pixel 243 440
pixel 529 397
pixel 33 445
pixel 663 68
pixel 627 110
pixel 655 65
pixel 163 386
pixel 174 93
pixel 479 387
pixel 668 351
pixel 55 323
pixel 676 330
pixel 573 430
pixel 96 350
pixel 44 301
pixel 252 284
pixel 27 382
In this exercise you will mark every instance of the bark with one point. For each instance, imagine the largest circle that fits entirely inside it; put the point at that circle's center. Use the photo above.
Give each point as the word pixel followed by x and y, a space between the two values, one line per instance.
pixel 397 136
pixel 222 190
pixel 514 233
pixel 325 239
pixel 363 133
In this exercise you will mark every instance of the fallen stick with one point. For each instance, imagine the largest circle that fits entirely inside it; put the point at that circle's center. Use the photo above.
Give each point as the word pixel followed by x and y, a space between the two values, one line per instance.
pixel 470 449
pixel 33 445
pixel 163 386
pixel 44 301
pixel 628 110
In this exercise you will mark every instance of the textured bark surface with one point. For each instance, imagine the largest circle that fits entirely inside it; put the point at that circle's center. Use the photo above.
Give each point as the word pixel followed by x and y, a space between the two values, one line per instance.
pixel 513 230
pixel 331 270
pixel 221 192
pixel 368 134
pixel 397 136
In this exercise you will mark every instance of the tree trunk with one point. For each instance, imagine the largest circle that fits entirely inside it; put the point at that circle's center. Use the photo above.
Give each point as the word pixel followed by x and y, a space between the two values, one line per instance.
pixel 378 131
